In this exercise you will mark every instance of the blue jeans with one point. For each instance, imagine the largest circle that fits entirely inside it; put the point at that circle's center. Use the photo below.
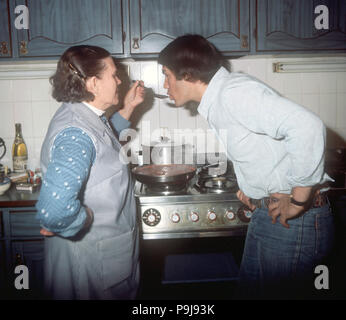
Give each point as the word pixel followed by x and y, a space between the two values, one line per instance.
pixel 279 262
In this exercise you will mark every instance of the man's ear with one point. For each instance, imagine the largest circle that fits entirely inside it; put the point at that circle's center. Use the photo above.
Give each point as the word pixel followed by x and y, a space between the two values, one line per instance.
pixel 187 77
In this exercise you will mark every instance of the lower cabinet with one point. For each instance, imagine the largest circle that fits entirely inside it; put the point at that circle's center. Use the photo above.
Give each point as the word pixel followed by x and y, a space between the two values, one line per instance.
pixel 2 268
pixel 27 267
pixel 21 255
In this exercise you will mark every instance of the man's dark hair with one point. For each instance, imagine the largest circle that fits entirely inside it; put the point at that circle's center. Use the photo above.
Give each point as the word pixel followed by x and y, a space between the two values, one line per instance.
pixel 191 57
pixel 76 65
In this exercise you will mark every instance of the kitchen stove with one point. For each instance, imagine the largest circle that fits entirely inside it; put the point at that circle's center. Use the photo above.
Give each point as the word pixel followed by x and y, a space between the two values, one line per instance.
pixel 195 211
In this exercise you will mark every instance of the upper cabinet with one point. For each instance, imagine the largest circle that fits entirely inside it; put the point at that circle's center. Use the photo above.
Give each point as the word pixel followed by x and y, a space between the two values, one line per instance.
pixel 5 30
pixel 290 25
pixel 153 23
pixel 54 26
pixel 142 28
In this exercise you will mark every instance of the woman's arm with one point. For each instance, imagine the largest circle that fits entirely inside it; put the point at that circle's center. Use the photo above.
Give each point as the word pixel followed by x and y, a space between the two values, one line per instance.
pixel 58 206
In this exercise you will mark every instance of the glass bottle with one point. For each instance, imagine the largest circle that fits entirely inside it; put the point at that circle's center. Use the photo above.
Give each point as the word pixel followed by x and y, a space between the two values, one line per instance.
pixel 19 151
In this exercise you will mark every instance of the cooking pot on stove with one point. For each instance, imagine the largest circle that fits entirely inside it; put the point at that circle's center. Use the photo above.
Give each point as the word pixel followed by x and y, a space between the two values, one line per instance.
pixel 164 175
pixel 166 151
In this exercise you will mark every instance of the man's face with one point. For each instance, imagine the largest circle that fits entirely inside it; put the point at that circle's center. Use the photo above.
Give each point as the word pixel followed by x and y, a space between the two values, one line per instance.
pixel 178 90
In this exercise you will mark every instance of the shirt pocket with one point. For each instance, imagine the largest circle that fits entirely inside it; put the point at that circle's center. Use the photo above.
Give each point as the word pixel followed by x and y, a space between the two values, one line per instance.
pixel 117 258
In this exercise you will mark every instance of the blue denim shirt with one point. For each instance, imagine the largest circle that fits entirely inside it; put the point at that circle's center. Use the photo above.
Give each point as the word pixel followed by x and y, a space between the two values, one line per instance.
pixel 274 143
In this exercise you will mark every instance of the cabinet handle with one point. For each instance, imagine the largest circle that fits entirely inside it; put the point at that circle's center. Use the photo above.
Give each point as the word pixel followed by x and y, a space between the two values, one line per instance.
pixel 23 47
pixel 4 49
pixel 135 44
pixel 19 261
pixel 244 42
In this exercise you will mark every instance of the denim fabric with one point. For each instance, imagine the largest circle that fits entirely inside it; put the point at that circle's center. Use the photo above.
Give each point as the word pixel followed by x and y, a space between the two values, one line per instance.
pixel 279 262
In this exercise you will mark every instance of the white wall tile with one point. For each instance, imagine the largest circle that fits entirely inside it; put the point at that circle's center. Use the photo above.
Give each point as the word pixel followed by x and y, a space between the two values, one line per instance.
pixel 53 107
pixel 6 120
pixel 186 118
pixel 310 82
pixel 21 90
pixel 40 90
pixel 341 82
pixel 328 82
pixel 6 90
pixel 258 68
pixel 341 110
pixel 328 109
pixel 23 114
pixel 297 98
pixel 41 117
pixel 292 83
pixel 239 65
pixel 311 102
pixel 30 103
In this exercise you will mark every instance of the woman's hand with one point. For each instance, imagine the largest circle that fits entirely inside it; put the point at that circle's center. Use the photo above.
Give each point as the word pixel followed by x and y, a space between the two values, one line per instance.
pixel 280 205
pixel 246 200
pixel 133 98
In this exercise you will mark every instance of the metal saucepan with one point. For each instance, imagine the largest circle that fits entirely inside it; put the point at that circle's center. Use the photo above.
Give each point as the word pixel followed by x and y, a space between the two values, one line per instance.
pixel 165 174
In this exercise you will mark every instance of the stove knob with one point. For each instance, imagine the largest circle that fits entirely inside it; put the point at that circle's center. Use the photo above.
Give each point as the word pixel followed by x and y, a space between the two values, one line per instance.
pixel 230 215
pixel 175 217
pixel 151 217
pixel 244 214
pixel 211 215
pixel 194 216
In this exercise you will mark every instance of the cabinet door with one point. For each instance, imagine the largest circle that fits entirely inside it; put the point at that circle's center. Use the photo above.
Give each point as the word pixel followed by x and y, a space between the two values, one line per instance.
pixel 289 25
pixel 155 23
pixel 29 253
pixel 54 26
pixel 24 224
pixel 5 27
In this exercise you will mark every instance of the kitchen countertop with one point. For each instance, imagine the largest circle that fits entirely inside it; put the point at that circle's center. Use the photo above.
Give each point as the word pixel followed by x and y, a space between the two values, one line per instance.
pixel 13 198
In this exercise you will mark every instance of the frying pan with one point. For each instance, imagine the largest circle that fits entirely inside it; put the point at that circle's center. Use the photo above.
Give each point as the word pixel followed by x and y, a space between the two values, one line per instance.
pixel 164 174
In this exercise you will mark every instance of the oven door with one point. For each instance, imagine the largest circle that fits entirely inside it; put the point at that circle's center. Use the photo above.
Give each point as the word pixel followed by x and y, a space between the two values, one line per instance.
pixel 195 268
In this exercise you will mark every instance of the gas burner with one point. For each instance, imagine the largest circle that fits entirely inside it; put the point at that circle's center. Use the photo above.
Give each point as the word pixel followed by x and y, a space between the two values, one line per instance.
pixel 217 185
pixel 166 190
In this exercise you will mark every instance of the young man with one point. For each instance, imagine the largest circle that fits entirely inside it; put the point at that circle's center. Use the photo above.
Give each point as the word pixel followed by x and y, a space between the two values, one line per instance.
pixel 277 150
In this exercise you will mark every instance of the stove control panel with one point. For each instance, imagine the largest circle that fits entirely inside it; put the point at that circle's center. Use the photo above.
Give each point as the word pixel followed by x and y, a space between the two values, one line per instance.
pixel 193 219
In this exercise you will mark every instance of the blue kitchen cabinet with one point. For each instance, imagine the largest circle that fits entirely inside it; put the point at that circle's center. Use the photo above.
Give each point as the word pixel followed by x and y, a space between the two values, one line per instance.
pixel 20 244
pixel 54 26
pixel 155 23
pixel 289 25
pixel 29 253
pixel 5 30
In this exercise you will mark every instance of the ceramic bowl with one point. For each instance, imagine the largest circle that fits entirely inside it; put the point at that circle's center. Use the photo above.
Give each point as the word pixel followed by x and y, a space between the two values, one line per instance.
pixel 5 185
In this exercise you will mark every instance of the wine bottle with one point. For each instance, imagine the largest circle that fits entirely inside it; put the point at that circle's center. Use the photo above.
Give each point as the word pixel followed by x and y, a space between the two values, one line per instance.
pixel 19 151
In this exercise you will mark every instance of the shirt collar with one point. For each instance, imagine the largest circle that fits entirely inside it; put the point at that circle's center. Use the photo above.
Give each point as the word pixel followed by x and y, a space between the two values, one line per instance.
pixel 94 109
pixel 212 90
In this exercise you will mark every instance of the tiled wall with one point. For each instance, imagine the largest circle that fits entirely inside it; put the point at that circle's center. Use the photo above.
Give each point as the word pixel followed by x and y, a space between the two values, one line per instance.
pixel 29 102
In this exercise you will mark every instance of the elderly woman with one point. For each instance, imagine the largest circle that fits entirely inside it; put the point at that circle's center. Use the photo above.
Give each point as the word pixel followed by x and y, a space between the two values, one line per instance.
pixel 86 206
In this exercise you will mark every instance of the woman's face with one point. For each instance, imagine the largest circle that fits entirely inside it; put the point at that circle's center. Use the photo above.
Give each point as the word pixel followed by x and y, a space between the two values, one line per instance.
pixel 107 86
